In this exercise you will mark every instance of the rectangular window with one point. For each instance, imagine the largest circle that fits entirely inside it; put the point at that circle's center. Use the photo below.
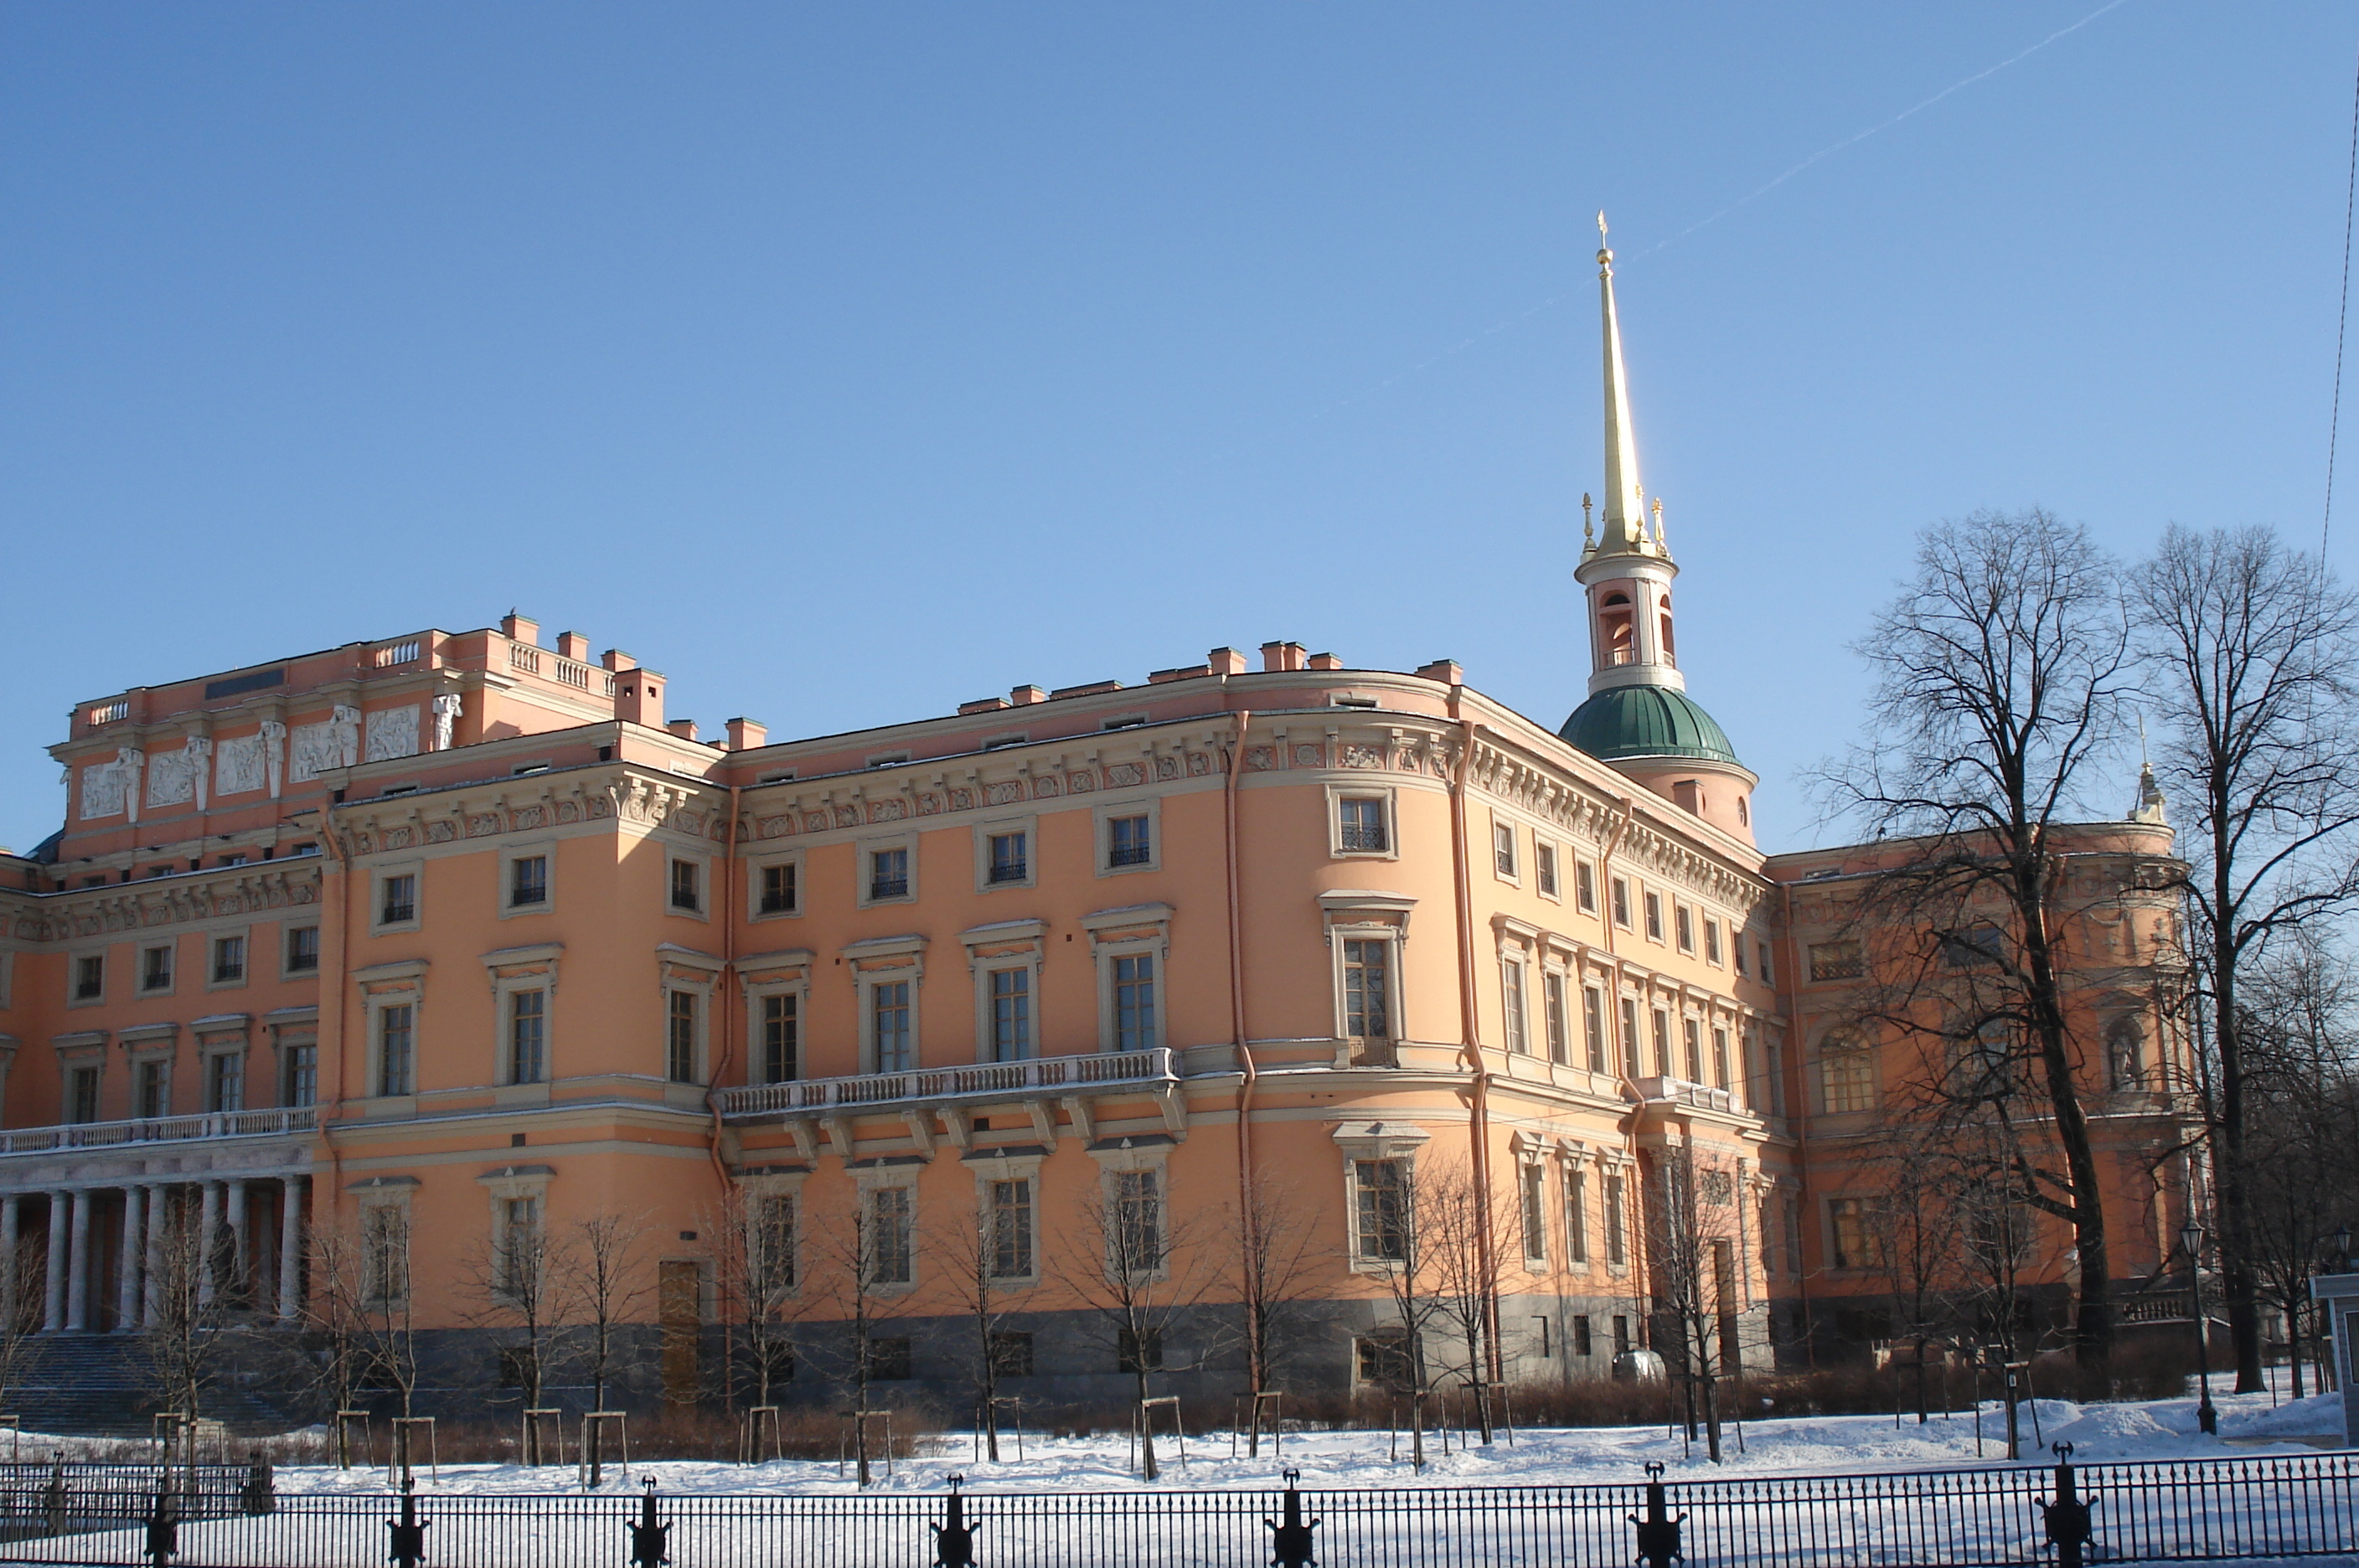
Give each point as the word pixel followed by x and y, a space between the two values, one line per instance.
pixel 1711 942
pixel 1736 949
pixel 518 1263
pixel 1137 1229
pixel 1011 1230
pixel 528 1037
pixel 152 1089
pixel 688 886
pixel 1765 974
pixel 90 977
pixel 1621 1335
pixel 889 1360
pixel 1360 825
pixel 156 969
pixel 302 950
pixel 1773 1067
pixel 1559 1046
pixel 1655 916
pixel 1576 1216
pixel 1846 1075
pixel 1662 1043
pixel 396 1048
pixel 1009 860
pixel 1836 961
pixel 1719 1059
pixel 773 1244
pixel 1584 886
pixel 778 889
pixel 1128 841
pixel 1511 976
pixel 679 1038
pixel 888 1019
pixel 1134 1353
pixel 1503 849
pixel 888 873
pixel 82 1094
pixel 781 1038
pixel 527 881
pixel 229 960
pixel 226 1082
pixel 1849 1232
pixel 1011 1354
pixel 1592 1026
pixel 1582 1342
pixel 1793 1207
pixel 1133 1002
pixel 302 1072
pixel 1617 1242
pixel 1011 1014
pixel 1367 1008
pixel 1766 1217
pixel 1384 1359
pixel 1544 867
pixel 384 1250
pixel 1381 1189
pixel 1540 1332
pixel 397 900
pixel 1691 1036
pixel 1630 1068
pixel 892 1220
pixel 1622 902
pixel 1534 1191
pixel 1683 924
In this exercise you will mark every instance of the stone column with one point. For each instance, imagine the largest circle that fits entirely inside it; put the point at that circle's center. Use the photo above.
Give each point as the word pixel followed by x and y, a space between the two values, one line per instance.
pixel 290 1248
pixel 126 1292
pixel 10 1220
pixel 208 1230
pixel 53 1314
pixel 159 1208
pixel 234 1286
pixel 77 1264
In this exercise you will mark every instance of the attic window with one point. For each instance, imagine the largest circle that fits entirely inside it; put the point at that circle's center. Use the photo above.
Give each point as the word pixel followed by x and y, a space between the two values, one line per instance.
pixel 522 769
pixel 397 789
pixel 1345 700
pixel 1126 721
pixel 776 776
pixel 889 759
pixel 995 742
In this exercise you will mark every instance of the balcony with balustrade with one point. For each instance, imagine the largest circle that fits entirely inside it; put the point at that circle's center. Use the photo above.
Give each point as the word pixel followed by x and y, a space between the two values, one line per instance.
pixel 918 1094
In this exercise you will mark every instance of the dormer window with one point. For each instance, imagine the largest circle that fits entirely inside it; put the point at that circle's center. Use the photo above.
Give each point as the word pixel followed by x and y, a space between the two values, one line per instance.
pixel 1617 627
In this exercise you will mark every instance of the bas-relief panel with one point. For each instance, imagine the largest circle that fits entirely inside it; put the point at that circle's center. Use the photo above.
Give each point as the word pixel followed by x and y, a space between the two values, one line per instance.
pixel 102 790
pixel 315 749
pixel 238 766
pixel 171 777
pixel 393 731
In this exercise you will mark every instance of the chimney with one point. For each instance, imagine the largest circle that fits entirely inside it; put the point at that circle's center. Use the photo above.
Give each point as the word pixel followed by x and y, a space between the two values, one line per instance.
pixel 573 646
pixel 745 734
pixel 617 660
pixel 639 696
pixel 1023 696
pixel 520 628
pixel 1323 661
pixel 1226 662
pixel 684 728
pixel 1445 671
pixel 1281 656
pixel 983 705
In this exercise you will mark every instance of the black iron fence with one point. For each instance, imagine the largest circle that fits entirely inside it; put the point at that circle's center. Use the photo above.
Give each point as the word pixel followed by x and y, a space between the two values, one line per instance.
pixel 2257 1508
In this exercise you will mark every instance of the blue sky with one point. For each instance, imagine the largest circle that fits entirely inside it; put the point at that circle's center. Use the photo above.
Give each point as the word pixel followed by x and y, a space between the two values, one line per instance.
pixel 847 362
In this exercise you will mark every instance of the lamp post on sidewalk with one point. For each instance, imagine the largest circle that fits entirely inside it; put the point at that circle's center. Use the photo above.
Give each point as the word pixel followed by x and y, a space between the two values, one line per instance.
pixel 2191 1236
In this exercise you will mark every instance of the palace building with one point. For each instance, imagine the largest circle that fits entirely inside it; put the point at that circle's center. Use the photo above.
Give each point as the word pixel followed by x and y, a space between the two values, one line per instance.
pixel 453 943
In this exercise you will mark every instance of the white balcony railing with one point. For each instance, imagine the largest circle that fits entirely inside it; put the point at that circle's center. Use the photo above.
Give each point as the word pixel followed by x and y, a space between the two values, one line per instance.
pixel 281 1122
pixel 1679 1092
pixel 927 1085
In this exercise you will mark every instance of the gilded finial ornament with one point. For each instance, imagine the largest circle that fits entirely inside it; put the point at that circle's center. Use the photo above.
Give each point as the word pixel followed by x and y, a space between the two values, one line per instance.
pixel 1604 256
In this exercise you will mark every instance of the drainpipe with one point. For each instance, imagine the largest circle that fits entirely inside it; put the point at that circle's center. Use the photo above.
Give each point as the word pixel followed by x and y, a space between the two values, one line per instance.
pixel 1249 1079
pixel 1798 1112
pixel 1470 1045
pixel 331 841
pixel 728 978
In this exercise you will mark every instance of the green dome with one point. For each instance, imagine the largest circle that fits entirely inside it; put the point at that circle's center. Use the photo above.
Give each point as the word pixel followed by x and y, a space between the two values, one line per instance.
pixel 1645 721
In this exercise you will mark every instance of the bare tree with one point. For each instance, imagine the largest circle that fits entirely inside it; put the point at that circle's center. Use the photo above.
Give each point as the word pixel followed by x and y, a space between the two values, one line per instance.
pixel 985 1257
pixel 21 1344
pixel 181 1340
pixel 1392 1241
pixel 1137 1267
pixel 2249 650
pixel 1916 1243
pixel 864 1263
pixel 1692 1227
pixel 756 1257
pixel 1468 1231
pixel 2001 671
pixel 602 1281
pixel 1279 1254
pixel 509 1286
pixel 335 1341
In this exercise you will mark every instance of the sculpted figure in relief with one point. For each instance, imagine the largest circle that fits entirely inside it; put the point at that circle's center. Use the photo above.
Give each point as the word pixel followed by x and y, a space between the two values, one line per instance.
pixel 273 736
pixel 345 723
pixel 237 765
pixel 392 732
pixel 102 790
pixel 199 751
pixel 313 750
pixel 446 714
pixel 128 762
pixel 171 780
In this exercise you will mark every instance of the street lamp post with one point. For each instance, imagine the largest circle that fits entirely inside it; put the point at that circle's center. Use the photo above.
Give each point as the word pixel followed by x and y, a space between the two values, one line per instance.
pixel 2191 1236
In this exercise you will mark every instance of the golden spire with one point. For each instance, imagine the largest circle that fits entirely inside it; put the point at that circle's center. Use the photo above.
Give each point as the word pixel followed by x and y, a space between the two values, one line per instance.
pixel 1624 529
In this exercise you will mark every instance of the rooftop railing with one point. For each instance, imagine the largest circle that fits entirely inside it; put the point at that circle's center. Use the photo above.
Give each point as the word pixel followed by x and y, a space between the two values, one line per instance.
pixel 275 1123
pixel 981 1081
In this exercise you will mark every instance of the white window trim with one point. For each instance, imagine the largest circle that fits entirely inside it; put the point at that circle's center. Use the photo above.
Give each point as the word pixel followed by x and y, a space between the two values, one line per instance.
pixel 143 1052
pixel 1552 967
pixel 391 986
pixel 228 1043
pixel 993 1165
pixel 1339 793
pixel 1585 869
pixel 757 863
pixel 74 956
pixel 1514 875
pixel 511 970
pixel 902 1175
pixel 704 884
pixel 1661 935
pixel 1543 849
pixel 286 948
pixel 546 849
pixel 778 1181
pixel 776 975
pixel 211 942
pixel 1131 1156
pixel 1679 907
pixel 1028 823
pixel 682 969
pixel 139 986
pixel 882 961
pixel 1627 917
pixel 1125 934
pixel 1532 1166
pixel 864 852
pixel 395 1192
pixel 516 1181
pixel 1340 931
pixel 1365 1140
pixel 378 875
pixel 1102 834
pixel 1000 946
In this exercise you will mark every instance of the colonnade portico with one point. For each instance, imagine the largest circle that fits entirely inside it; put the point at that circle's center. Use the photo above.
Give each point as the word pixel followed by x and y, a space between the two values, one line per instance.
pixel 228 1261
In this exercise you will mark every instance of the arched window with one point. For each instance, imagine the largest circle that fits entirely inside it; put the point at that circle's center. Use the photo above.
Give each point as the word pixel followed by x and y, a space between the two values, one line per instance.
pixel 1670 647
pixel 2126 1054
pixel 1846 1073
pixel 1618 629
